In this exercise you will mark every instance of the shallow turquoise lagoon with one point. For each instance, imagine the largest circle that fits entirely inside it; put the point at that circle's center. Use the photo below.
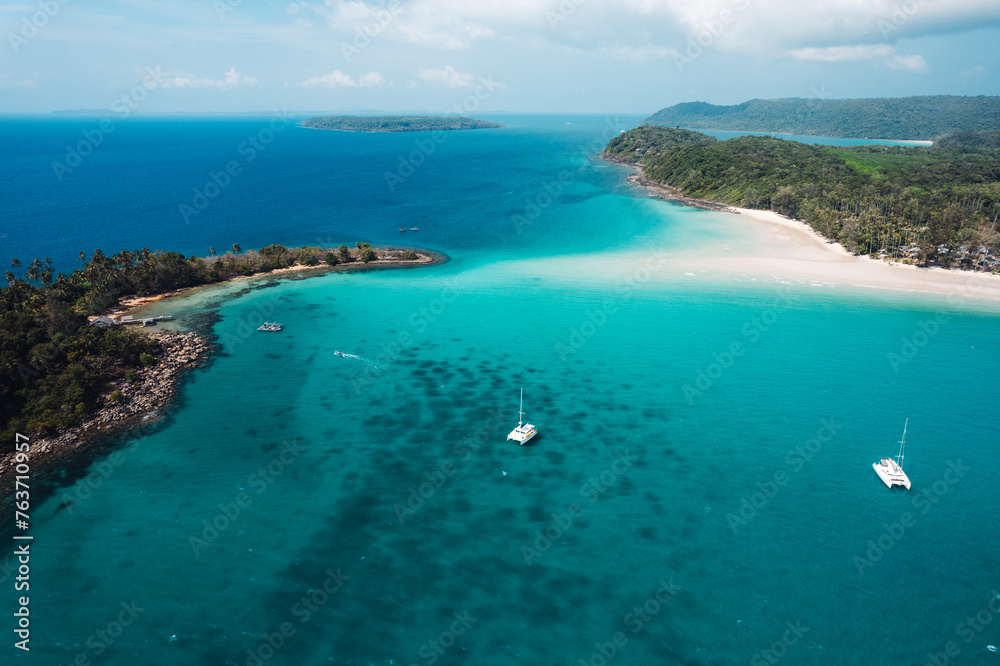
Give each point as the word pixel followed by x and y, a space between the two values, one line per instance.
pixel 701 490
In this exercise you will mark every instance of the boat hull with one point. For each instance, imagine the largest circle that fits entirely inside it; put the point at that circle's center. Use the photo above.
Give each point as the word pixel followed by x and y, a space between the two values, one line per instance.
pixel 891 474
pixel 522 436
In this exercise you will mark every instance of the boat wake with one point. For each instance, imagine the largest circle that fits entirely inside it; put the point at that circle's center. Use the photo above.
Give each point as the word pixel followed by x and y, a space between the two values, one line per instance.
pixel 378 369
pixel 357 358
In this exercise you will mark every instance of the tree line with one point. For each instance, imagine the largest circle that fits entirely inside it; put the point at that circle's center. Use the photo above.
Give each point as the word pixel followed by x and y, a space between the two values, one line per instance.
pixel 924 117
pixel 927 205
pixel 397 123
pixel 55 368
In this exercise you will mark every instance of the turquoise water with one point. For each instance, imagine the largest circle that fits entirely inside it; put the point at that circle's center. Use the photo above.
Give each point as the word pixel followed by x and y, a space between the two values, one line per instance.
pixel 682 504
pixel 823 140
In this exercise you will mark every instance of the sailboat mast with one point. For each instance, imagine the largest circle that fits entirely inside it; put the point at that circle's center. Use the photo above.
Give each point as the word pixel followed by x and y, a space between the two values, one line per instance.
pixel 902 445
pixel 520 410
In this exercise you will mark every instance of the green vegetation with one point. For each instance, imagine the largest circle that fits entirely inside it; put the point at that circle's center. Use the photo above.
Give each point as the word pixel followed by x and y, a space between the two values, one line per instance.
pixel 926 205
pixel 974 140
pixel 396 123
pixel 918 118
pixel 55 368
pixel 651 141
pixel 366 253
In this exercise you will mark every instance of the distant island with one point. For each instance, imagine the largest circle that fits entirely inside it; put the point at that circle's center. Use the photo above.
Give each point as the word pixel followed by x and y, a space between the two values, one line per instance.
pixel 916 118
pixel 936 205
pixel 396 123
pixel 62 365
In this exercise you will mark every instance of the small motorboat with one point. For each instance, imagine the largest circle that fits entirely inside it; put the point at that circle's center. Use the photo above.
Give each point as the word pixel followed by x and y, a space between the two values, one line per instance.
pixel 337 353
pixel 414 228
pixel 402 229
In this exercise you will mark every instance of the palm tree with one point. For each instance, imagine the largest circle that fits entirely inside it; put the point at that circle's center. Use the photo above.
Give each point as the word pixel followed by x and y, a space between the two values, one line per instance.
pixel 35 270
pixel 211 251
pixel 236 248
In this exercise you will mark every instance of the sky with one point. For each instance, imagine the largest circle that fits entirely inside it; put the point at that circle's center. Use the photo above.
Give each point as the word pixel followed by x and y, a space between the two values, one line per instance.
pixel 435 56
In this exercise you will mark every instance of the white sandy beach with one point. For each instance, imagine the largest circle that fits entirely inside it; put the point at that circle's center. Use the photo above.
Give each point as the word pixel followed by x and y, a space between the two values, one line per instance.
pixel 790 249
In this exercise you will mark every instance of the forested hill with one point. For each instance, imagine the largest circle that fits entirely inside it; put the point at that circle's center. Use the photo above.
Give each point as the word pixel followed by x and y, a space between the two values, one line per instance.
pixel 928 205
pixel 396 123
pixel 914 118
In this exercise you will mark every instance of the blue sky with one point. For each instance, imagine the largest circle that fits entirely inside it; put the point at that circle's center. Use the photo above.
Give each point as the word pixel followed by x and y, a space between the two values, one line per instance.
pixel 585 56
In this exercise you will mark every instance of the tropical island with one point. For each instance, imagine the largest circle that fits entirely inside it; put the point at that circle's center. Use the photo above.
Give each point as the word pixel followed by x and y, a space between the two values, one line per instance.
pixel 396 123
pixel 64 362
pixel 935 205
pixel 916 118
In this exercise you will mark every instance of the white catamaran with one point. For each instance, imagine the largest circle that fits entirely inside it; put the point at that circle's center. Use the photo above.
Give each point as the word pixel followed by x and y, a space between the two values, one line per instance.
pixel 524 431
pixel 891 471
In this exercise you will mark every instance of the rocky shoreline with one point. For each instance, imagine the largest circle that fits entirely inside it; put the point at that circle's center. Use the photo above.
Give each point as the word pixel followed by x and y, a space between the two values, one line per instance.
pixel 144 401
pixel 148 396
pixel 666 192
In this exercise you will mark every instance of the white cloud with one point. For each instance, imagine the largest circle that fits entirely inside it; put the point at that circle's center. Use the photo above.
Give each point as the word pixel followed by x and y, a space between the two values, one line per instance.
pixel 337 79
pixel 909 63
pixel 647 52
pixel 437 24
pixel 659 27
pixel 371 80
pixel 232 79
pixel 448 76
pixel 972 71
pixel 843 53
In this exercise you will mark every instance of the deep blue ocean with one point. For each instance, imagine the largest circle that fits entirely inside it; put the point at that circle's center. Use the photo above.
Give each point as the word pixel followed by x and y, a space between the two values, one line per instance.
pixel 701 491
